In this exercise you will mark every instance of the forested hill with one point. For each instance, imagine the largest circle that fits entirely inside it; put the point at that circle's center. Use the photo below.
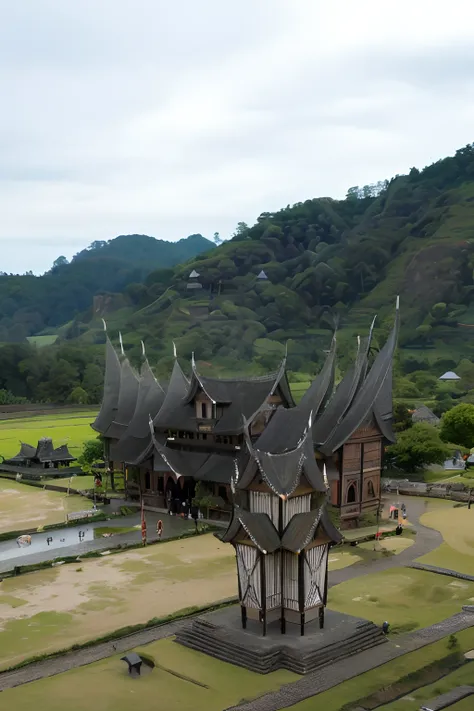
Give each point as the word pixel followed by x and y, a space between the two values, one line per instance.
pixel 325 259
pixel 29 304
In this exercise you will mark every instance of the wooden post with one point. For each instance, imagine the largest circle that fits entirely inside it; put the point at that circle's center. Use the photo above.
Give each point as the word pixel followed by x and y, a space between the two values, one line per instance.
pixel 282 571
pixel 263 592
pixel 301 599
pixel 361 480
pixel 243 612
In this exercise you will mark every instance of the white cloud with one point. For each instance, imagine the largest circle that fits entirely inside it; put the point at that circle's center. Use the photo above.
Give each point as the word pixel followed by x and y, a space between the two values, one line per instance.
pixel 123 116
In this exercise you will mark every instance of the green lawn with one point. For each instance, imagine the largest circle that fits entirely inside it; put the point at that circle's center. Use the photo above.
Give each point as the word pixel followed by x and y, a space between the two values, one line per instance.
pixel 406 598
pixel 457 528
pixel 41 341
pixel 412 702
pixel 383 677
pixel 72 430
pixel 182 680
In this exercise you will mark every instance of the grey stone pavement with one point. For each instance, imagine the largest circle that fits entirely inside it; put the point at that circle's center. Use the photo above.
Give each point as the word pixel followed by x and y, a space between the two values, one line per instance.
pixel 426 540
pixel 321 680
pixel 66 541
pixel 345 669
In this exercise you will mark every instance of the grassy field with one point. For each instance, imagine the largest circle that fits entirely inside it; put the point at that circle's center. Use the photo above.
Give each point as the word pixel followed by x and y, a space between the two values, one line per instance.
pixel 182 680
pixel 41 341
pixel 384 677
pixel 457 528
pixel 462 676
pixel 406 598
pixel 72 430
pixel 52 609
pixel 25 507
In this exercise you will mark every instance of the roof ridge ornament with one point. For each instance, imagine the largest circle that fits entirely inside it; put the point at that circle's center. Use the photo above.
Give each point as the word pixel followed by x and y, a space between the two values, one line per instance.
pixel 143 349
pixel 175 354
pixel 121 343
pixel 105 325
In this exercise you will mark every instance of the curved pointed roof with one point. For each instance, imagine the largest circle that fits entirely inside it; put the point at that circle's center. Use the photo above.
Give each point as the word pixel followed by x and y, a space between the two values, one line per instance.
pixel 239 397
pixel 373 397
pixel 282 471
pixel 127 401
pixel 300 531
pixel 168 414
pixel 347 389
pixel 286 426
pixel 149 401
pixel 320 390
pixel 108 408
pixel 137 435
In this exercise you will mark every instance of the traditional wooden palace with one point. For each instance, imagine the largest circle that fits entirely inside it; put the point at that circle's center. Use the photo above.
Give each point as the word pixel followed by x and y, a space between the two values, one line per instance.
pixel 248 430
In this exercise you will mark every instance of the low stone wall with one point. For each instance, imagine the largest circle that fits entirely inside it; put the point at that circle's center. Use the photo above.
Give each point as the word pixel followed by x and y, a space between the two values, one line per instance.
pixel 449 699
pixel 441 571
pixel 453 492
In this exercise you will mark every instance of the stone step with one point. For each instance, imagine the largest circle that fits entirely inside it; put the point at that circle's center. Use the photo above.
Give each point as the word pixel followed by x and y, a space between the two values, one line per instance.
pixel 266 666
pixel 210 639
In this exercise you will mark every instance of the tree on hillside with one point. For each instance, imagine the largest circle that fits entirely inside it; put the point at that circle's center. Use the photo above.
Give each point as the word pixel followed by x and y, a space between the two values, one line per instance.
pixel 457 425
pixel 418 447
pixel 92 382
pixel 401 417
pixel 217 238
pixel 60 262
pixel 78 396
pixel 92 453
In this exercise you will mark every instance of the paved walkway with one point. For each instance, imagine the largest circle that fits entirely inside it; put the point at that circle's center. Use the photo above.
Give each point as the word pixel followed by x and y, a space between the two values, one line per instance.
pixel 71 660
pixel 426 540
pixel 66 541
pixel 338 672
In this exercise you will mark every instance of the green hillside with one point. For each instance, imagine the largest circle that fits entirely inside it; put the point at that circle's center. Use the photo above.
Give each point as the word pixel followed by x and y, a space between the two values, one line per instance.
pixel 37 305
pixel 326 262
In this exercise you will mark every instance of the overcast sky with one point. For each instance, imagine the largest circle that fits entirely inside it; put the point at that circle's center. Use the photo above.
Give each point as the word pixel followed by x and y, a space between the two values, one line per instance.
pixel 170 118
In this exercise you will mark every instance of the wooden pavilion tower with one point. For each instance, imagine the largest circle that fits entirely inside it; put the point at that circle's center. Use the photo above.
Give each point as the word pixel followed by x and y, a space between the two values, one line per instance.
pixel 281 533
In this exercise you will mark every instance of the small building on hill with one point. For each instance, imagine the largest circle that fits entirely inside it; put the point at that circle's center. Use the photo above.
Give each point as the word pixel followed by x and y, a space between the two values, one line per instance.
pixel 449 375
pixel 193 281
pixel 424 414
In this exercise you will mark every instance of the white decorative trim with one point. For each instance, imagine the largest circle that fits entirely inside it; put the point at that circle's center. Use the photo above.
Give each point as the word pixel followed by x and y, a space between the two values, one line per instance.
pixel 252 538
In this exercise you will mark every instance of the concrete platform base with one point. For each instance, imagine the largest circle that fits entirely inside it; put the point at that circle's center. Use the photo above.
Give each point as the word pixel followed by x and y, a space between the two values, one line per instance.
pixel 220 635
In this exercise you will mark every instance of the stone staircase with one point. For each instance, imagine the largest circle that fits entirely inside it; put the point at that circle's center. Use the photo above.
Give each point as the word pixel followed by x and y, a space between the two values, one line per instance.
pixel 263 655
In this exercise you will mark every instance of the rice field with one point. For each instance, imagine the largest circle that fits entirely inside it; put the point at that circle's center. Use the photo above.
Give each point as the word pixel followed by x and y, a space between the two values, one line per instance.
pixel 63 428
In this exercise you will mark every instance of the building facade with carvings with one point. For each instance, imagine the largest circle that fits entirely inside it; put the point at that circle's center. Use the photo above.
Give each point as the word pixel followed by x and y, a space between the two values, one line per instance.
pixel 168 437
